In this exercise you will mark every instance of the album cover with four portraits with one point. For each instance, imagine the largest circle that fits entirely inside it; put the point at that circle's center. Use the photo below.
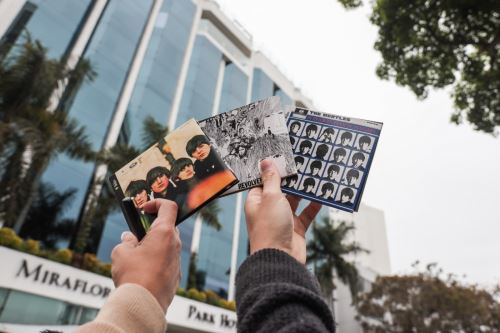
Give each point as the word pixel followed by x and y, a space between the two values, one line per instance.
pixel 333 155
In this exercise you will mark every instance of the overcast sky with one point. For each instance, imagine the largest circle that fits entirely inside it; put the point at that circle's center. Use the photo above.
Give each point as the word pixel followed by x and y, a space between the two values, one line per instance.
pixel 438 183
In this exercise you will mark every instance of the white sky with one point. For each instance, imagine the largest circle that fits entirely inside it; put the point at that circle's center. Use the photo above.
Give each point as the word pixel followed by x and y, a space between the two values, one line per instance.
pixel 438 184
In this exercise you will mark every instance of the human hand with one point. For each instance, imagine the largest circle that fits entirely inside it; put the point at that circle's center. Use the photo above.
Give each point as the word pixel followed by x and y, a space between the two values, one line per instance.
pixel 153 263
pixel 271 218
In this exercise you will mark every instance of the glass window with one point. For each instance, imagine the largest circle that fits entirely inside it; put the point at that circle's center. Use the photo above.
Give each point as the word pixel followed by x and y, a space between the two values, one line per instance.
pixel 234 88
pixel 199 91
pixel 52 22
pixel 262 86
pixel 4 294
pixel 23 308
pixel 87 314
pixel 285 99
pixel 214 257
pixel 186 235
pixel 110 51
pixel 155 88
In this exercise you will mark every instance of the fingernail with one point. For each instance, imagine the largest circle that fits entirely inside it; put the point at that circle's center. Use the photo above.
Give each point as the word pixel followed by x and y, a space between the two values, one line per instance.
pixel 266 164
pixel 125 235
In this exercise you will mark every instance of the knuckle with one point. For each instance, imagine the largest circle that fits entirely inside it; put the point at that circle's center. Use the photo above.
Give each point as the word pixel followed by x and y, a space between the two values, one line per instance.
pixel 115 253
pixel 268 175
pixel 169 204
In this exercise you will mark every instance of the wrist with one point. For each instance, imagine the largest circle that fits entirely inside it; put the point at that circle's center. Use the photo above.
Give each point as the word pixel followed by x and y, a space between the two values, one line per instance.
pixel 258 246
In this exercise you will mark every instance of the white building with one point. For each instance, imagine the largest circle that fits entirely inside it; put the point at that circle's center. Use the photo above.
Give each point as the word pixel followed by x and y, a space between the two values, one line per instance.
pixel 370 234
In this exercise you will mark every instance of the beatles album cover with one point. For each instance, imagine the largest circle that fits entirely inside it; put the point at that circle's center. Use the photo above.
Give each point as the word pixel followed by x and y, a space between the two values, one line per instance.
pixel 249 134
pixel 333 155
pixel 182 166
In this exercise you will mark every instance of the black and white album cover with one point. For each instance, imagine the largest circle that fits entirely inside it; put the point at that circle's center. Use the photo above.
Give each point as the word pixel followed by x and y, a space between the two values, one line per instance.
pixel 183 167
pixel 333 155
pixel 249 134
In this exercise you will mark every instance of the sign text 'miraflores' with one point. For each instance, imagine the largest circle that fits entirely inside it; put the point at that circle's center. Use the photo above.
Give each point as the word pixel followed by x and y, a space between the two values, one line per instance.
pixel 44 276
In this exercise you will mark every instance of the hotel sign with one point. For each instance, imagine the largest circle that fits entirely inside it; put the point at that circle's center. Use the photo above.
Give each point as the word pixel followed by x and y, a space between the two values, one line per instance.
pixel 39 276
pixel 38 273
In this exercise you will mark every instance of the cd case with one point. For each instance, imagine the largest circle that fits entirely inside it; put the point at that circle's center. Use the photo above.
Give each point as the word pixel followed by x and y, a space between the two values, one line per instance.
pixel 247 135
pixel 182 166
pixel 333 155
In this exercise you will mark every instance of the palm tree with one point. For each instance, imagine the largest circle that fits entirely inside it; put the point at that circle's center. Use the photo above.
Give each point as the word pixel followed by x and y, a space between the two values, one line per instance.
pixel 43 221
pixel 31 135
pixel 327 251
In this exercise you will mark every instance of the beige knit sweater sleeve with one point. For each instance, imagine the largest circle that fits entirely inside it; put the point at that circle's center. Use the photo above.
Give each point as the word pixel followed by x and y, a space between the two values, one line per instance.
pixel 130 308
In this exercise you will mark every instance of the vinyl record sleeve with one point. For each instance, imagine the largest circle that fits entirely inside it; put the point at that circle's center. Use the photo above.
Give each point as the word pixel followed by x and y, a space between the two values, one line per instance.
pixel 249 134
pixel 182 167
pixel 333 155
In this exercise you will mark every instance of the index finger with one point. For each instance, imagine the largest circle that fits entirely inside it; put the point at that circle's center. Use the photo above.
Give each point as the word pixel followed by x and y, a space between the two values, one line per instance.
pixel 166 210
pixel 309 213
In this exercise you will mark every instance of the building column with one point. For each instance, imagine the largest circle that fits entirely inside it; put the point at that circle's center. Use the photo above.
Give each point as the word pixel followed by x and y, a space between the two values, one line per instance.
pixel 235 245
pixel 8 12
pixel 78 48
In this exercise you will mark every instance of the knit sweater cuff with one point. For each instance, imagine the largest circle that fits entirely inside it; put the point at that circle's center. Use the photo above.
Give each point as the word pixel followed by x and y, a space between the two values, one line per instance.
pixel 130 308
pixel 271 266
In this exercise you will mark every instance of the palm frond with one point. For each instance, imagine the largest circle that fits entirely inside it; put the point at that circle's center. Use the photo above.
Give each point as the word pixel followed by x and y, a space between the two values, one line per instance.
pixel 210 215
pixel 328 249
pixel 152 132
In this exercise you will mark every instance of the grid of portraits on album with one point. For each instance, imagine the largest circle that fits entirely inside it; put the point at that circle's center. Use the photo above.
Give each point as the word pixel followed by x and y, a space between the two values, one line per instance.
pixel 331 162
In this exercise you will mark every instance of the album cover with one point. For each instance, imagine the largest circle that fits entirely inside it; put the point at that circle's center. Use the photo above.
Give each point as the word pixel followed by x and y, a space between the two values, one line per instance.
pixel 249 134
pixel 333 155
pixel 182 166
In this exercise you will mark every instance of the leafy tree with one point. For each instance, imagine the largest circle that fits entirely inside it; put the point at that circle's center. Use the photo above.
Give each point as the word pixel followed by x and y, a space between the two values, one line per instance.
pixel 196 277
pixel 436 44
pixel 327 251
pixel 350 4
pixel 31 135
pixel 426 302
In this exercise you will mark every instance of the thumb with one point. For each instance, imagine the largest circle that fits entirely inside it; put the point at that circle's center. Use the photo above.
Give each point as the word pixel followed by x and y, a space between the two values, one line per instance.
pixel 271 179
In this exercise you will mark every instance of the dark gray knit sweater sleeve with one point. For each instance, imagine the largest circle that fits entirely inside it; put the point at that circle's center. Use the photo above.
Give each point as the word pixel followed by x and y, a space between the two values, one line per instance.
pixel 275 293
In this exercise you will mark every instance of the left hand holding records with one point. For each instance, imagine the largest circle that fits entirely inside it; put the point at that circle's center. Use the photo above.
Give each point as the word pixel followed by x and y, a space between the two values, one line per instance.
pixel 153 263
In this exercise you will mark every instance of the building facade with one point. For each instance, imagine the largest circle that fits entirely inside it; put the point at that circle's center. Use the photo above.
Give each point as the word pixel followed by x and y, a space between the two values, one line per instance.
pixel 370 233
pixel 168 59
pixel 171 60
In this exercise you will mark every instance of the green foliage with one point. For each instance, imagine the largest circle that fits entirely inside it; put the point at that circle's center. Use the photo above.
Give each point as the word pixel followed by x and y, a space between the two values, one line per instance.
pixel 213 298
pixel 63 256
pixel 435 44
pixel 30 246
pixel 350 4
pixel 181 292
pixel 152 132
pixel 92 264
pixel 327 251
pixel 425 302
pixel 9 238
pixel 208 296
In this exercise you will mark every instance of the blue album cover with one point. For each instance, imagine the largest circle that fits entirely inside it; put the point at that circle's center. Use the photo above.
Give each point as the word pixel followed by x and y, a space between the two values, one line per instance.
pixel 333 155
